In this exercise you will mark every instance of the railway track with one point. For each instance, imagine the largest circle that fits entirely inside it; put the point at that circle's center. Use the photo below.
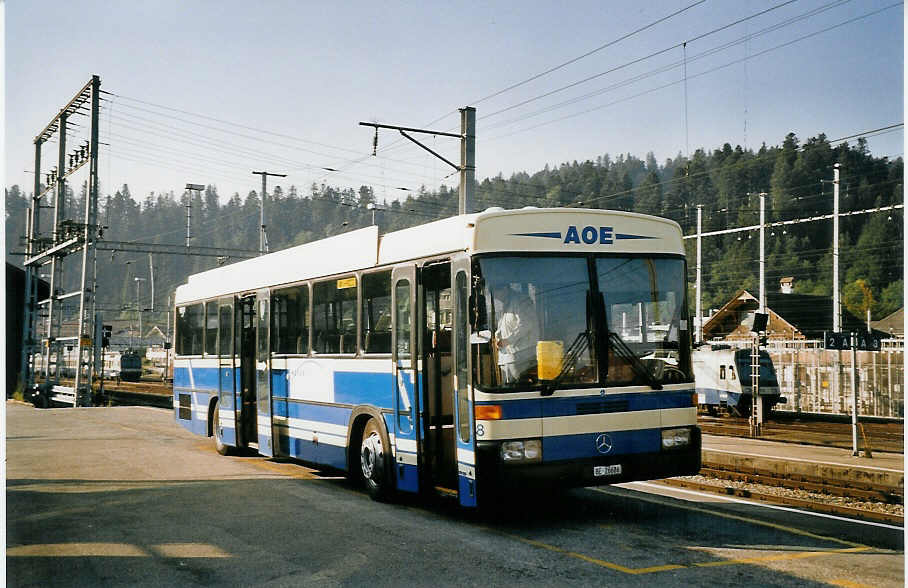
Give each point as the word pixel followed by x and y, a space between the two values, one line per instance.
pixel 827 497
pixel 882 436
pixel 124 393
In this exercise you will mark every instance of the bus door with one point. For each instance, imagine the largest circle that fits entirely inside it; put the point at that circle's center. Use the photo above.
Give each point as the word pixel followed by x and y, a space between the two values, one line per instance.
pixel 437 379
pixel 245 377
pixel 263 372
pixel 465 441
pixel 226 379
pixel 404 376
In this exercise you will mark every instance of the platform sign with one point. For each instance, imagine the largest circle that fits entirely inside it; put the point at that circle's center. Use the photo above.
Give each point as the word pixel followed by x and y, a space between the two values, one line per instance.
pixel 864 341
pixel 832 340
pixel 868 341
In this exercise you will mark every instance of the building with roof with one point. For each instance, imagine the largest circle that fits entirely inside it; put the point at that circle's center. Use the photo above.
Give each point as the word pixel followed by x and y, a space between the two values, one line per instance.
pixel 893 325
pixel 791 316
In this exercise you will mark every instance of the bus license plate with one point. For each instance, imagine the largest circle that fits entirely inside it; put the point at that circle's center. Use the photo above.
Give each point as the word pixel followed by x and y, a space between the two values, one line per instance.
pixel 610 470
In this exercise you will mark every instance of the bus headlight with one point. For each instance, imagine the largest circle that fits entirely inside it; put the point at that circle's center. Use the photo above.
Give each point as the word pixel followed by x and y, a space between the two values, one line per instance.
pixel 527 451
pixel 675 438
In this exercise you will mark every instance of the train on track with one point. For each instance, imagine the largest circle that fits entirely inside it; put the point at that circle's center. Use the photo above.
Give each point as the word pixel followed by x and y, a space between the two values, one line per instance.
pixel 130 366
pixel 723 380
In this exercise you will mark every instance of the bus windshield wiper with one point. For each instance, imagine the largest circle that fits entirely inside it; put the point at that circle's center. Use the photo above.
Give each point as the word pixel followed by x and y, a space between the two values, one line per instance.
pixel 571 356
pixel 626 353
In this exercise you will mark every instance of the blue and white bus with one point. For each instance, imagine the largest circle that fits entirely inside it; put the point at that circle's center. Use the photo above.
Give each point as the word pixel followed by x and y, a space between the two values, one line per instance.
pixel 501 348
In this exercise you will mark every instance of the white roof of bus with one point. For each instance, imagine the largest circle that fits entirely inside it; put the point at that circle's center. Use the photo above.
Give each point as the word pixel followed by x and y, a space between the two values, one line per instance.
pixel 528 229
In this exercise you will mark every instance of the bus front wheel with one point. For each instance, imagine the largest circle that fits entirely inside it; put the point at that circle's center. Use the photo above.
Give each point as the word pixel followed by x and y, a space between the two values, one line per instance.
pixel 374 462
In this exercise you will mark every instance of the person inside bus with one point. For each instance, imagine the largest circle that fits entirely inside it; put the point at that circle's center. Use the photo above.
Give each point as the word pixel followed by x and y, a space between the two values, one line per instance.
pixel 516 334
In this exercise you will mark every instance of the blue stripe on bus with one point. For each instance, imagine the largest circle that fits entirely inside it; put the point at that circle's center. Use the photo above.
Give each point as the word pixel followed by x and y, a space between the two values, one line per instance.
pixel 180 377
pixel 364 388
pixel 567 447
pixel 334 415
pixel 569 406
pixel 204 378
pixel 320 453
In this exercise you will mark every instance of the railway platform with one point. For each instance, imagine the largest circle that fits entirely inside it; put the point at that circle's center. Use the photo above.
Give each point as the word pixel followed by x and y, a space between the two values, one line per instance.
pixel 883 470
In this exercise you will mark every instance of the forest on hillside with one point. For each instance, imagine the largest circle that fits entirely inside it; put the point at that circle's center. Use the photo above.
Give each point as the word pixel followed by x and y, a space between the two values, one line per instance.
pixel 726 182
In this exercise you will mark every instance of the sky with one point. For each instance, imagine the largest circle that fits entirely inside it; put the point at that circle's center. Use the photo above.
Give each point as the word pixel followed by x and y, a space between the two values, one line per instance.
pixel 206 92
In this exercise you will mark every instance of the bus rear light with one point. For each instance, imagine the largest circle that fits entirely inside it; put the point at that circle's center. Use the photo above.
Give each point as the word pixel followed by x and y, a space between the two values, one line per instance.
pixel 694 399
pixel 487 412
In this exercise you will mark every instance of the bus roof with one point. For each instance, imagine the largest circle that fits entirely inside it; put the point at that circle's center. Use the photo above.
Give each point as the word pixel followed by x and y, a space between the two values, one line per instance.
pixel 494 230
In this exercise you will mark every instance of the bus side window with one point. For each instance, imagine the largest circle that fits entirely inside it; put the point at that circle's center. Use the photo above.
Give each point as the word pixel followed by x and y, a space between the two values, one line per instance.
pixel 225 332
pixel 334 316
pixel 721 372
pixel 290 320
pixel 190 326
pixel 376 312
pixel 731 372
pixel 211 328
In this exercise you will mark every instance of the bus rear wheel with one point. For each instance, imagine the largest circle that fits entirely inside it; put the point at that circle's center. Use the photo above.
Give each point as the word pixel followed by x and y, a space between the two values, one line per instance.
pixel 374 459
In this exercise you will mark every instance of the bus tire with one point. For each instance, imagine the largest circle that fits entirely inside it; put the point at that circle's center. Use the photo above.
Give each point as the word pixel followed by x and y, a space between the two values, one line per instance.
pixel 374 459
pixel 219 445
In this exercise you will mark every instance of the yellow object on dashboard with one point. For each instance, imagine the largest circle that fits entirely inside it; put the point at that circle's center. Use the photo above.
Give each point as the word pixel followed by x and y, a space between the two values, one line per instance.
pixel 549 358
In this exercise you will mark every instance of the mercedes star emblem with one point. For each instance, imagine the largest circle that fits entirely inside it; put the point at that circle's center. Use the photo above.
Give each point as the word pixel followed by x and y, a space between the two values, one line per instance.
pixel 603 443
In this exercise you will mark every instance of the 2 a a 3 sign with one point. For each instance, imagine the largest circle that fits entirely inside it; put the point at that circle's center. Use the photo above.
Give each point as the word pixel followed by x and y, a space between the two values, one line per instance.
pixel 864 341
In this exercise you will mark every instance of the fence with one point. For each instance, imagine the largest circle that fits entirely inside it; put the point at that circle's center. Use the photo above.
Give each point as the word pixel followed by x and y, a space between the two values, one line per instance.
pixel 814 380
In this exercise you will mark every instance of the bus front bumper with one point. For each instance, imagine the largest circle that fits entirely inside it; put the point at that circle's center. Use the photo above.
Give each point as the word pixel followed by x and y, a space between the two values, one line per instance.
pixel 590 471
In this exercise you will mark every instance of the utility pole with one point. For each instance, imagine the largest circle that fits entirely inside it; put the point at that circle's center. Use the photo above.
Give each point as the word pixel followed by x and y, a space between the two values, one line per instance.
pixel 467 160
pixel 139 310
pixel 151 279
pixel 836 314
pixel 197 188
pixel 467 167
pixel 371 206
pixel 263 238
pixel 763 252
pixel 699 331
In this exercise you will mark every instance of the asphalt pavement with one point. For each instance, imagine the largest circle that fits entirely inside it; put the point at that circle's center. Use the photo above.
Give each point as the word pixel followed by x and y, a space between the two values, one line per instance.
pixel 124 496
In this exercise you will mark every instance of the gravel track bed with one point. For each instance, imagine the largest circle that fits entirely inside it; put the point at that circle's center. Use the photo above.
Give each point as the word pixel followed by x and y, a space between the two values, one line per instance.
pixel 881 507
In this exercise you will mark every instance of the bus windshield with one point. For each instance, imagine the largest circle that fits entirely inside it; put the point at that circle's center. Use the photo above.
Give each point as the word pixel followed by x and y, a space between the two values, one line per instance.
pixel 647 319
pixel 542 321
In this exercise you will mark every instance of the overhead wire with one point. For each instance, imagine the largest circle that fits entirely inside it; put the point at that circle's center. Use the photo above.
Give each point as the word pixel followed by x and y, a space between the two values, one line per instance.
pixel 662 52
pixel 219 145
pixel 265 158
pixel 537 76
pixel 697 75
pixel 661 69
